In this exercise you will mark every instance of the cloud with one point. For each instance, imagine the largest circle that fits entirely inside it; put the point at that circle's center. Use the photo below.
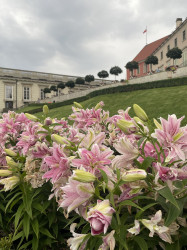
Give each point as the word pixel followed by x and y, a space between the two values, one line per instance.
pixel 80 37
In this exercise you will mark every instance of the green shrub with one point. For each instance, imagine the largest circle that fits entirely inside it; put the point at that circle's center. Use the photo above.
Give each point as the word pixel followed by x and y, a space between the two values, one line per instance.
pixel 123 88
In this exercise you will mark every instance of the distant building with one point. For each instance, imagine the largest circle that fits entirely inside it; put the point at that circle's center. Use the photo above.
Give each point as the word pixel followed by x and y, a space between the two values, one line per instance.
pixel 159 48
pixel 19 87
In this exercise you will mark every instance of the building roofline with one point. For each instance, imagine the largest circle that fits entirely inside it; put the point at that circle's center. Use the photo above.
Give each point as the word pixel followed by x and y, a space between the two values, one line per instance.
pixel 32 71
pixel 176 30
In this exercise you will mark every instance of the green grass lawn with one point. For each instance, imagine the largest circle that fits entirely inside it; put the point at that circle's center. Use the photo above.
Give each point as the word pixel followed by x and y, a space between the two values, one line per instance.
pixel 157 102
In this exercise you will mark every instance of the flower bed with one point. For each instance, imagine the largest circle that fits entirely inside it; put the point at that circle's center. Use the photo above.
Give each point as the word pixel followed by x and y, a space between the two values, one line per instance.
pixel 118 182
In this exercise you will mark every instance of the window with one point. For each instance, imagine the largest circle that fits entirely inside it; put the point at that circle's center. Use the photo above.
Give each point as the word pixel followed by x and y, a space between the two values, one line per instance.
pixel 184 35
pixel 168 47
pixel 9 92
pixel 42 94
pixel 138 70
pixel 175 62
pixel 26 93
pixel 145 68
pixel 161 55
pixel 184 55
pixel 175 42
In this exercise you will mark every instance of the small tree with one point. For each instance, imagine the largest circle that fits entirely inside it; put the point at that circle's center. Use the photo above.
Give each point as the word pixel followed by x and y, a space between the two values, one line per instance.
pixel 89 78
pixel 151 60
pixel 131 65
pixel 79 80
pixel 115 71
pixel 103 74
pixel 46 90
pixel 70 84
pixel 53 88
pixel 174 53
pixel 61 85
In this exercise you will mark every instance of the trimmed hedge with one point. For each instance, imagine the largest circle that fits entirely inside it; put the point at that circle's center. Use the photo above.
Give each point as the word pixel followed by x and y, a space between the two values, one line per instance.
pixel 123 88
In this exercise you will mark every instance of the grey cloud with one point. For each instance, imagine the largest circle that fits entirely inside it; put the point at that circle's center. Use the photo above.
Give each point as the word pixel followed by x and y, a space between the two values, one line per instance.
pixel 81 37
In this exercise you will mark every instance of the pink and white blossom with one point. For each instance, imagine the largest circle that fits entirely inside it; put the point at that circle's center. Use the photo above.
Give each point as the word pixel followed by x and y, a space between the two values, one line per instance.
pixel 75 194
pixel 100 217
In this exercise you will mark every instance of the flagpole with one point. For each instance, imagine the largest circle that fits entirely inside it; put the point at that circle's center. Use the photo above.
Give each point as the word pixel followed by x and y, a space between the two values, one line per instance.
pixel 146 35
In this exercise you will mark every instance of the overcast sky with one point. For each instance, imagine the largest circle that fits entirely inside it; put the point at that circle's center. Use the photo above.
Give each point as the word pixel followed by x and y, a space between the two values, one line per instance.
pixel 80 37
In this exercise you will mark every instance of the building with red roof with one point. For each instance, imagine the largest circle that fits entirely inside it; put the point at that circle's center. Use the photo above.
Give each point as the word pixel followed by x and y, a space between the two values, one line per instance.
pixel 159 49
pixel 141 57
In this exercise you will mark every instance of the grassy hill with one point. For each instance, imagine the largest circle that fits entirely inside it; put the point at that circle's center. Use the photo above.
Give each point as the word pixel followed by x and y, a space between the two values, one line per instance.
pixel 156 102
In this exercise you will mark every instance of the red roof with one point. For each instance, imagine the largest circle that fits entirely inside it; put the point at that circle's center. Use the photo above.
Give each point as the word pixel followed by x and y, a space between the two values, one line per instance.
pixel 149 49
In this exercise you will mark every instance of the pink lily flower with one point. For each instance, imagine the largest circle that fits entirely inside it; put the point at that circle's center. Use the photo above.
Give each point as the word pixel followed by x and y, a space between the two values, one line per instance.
pixel 172 137
pixel 76 194
pixel 58 164
pixel 94 160
pixel 128 150
pixel 100 217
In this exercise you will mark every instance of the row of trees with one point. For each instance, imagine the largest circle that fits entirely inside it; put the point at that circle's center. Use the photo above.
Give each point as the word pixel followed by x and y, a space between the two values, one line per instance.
pixel 61 85
pixel 88 78
pixel 174 53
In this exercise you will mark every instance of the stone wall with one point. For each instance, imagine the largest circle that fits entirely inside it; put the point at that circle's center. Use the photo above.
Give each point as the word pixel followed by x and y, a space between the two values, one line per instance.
pixel 77 94
pixel 180 72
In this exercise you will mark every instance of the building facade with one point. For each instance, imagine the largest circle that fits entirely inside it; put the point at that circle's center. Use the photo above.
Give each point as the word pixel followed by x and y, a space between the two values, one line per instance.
pixel 20 87
pixel 159 48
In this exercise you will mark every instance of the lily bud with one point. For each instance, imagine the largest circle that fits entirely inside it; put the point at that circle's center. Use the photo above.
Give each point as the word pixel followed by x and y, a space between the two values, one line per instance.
pixel 124 125
pixel 137 119
pixel 11 162
pixel 178 136
pixel 59 139
pixel 99 105
pixel 140 113
pixel 157 124
pixel 47 121
pixel 10 152
pixel 5 172
pixel 83 176
pixel 31 117
pixel 134 175
pixel 78 105
pixel 10 182
pixel 45 109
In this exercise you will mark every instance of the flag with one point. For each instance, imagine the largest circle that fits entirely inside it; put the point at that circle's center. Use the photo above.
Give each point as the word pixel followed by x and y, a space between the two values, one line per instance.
pixel 145 30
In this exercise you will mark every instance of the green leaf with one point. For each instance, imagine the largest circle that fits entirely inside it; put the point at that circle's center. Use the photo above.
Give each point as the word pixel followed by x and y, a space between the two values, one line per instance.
pixel 129 203
pixel 2 207
pixel 24 246
pixel 27 200
pixel 51 218
pixel 35 243
pixel 104 175
pixel 140 141
pixel 18 215
pixel 26 225
pixel 144 209
pixel 38 207
pixel 42 132
pixel 55 229
pixel 11 200
pixel 114 224
pixel 14 202
pixel 46 232
pixel 118 173
pixel 166 193
pixel 141 242
pixel 173 213
pixel 17 236
pixel 35 227
pixel 72 220
pixel 147 162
